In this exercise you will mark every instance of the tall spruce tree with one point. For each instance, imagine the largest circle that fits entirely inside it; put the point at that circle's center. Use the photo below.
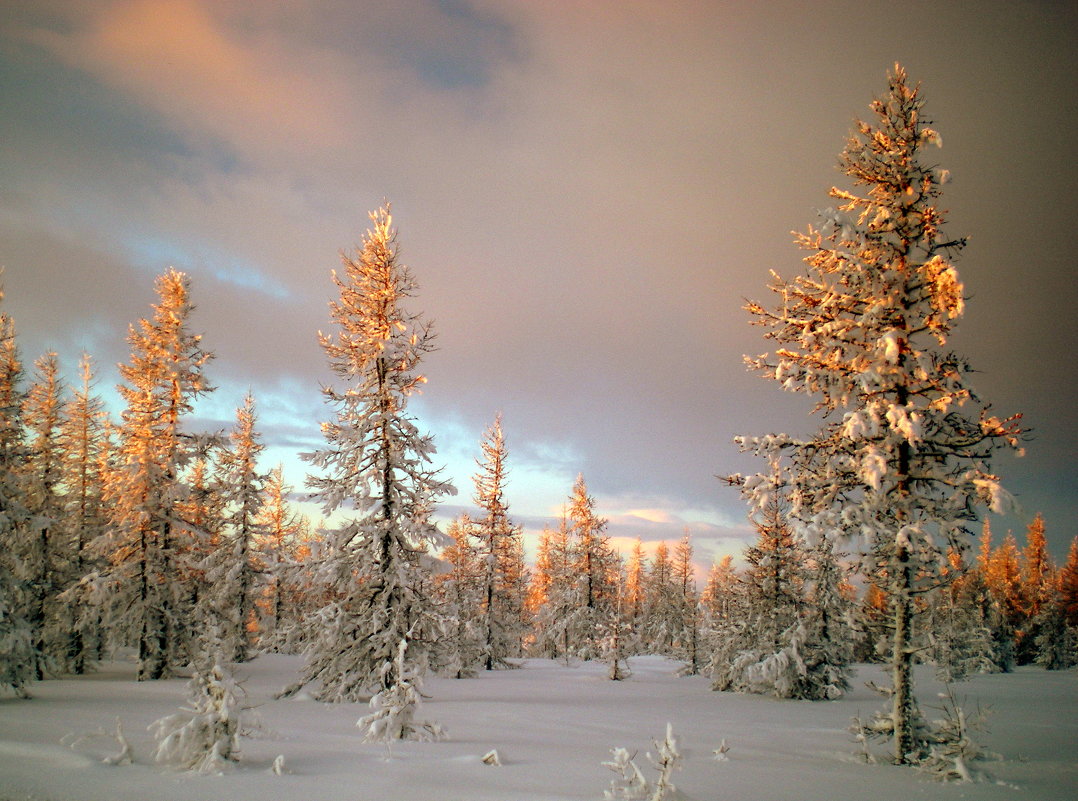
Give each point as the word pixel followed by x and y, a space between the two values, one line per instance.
pixel 375 634
pixel 902 462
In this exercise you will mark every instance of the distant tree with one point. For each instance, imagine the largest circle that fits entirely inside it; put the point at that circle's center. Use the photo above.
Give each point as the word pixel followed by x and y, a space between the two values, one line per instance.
pixel 498 553
pixel 957 630
pixel 593 563
pixel 828 646
pixel 554 595
pixel 719 596
pixel 1003 575
pixel 662 607
pixel 633 594
pixel 762 654
pixel 279 530
pixel 1068 585
pixel 231 569
pixel 903 462
pixel 1037 591
pixel 461 593
pixel 141 588
pixel 375 634
pixel 872 632
pixel 686 643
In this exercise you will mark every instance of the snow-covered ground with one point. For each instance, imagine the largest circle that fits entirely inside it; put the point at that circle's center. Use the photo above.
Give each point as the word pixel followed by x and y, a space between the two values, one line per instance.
pixel 552 726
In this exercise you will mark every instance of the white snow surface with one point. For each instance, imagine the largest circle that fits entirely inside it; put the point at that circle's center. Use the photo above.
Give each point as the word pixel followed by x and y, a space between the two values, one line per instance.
pixel 553 726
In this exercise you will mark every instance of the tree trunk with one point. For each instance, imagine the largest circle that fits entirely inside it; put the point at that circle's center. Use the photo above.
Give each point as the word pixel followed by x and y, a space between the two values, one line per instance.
pixel 901 662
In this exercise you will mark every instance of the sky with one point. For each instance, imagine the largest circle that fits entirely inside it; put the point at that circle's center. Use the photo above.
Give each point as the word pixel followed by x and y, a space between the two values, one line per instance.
pixel 586 193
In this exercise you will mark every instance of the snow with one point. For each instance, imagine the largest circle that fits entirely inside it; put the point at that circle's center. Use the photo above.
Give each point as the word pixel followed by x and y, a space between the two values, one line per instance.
pixel 552 726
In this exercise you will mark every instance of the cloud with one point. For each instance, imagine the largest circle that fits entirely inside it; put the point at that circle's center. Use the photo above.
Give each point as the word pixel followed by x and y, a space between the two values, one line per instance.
pixel 180 59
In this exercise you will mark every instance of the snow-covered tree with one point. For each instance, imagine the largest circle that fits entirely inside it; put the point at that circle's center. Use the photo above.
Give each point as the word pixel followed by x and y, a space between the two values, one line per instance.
pixel 1068 585
pixel 633 593
pixel 957 626
pixel 902 461
pixel 17 655
pixel 1037 590
pixel 375 633
pixel 719 596
pixel 687 645
pixel 460 594
pixel 230 569
pixel 593 562
pixel 498 553
pixel 42 550
pixel 203 736
pixel 554 596
pixel 828 648
pixel 662 606
pixel 84 440
pixel 279 529
pixel 762 652
pixel 141 587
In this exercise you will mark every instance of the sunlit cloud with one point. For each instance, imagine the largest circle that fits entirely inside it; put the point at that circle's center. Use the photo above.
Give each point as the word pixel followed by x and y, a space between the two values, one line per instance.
pixel 177 57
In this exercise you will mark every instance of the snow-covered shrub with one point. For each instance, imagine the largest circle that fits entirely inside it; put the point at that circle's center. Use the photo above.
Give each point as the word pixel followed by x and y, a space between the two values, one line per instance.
pixel 202 736
pixel 631 785
pixel 393 709
pixel 951 749
pixel 942 748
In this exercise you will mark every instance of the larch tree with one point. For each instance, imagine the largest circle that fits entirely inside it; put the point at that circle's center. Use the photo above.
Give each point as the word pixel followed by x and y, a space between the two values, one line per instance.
pixel 141 588
pixel 902 460
pixel 554 596
pixel 375 635
pixel 1037 590
pixel 17 654
pixel 719 596
pixel 498 552
pixel 460 594
pixel 84 440
pixel 662 603
pixel 687 635
pixel 43 551
pixel 231 571
pixel 1003 575
pixel 1068 585
pixel 593 565
pixel 633 593
pixel 279 529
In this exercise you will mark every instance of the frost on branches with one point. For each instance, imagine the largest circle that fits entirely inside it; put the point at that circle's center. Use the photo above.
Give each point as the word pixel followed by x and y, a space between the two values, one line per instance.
pixel 202 737
pixel 17 657
pixel 144 591
pixel 377 628
pixel 901 464
pixel 631 784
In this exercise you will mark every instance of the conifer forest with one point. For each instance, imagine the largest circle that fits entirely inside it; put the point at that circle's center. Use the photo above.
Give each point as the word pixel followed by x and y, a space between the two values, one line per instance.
pixel 173 605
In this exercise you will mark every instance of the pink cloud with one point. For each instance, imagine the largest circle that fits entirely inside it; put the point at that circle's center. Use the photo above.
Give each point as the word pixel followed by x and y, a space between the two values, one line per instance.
pixel 177 57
